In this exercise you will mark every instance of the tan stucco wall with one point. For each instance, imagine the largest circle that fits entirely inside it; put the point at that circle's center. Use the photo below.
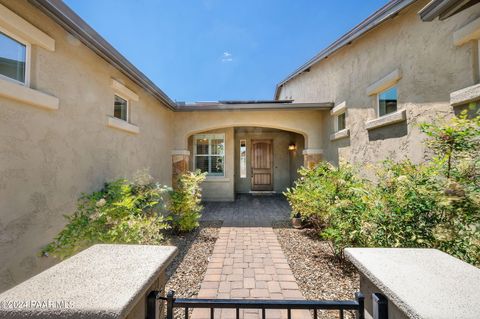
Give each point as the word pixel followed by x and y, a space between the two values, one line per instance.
pixel 305 122
pixel 432 67
pixel 285 163
pixel 48 158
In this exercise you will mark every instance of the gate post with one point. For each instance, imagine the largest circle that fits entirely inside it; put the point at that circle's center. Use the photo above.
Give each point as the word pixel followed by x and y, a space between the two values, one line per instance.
pixel 170 300
pixel 361 305
pixel 152 305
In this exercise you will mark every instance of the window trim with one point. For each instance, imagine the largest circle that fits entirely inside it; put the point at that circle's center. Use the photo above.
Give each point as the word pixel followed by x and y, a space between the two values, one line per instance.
pixel 244 158
pixel 384 83
pixel 128 107
pixel 335 122
pixel 378 101
pixel 209 137
pixel 28 55
pixel 117 123
pixel 14 23
pixel 122 89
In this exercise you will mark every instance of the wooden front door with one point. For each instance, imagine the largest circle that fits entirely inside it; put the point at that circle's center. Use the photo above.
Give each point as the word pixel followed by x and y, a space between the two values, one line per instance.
pixel 262 164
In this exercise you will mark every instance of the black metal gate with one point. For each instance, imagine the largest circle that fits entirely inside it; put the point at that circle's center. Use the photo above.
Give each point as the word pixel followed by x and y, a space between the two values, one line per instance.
pixel 153 308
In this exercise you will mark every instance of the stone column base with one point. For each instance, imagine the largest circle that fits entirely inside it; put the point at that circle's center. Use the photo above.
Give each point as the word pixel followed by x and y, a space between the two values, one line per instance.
pixel 311 157
pixel 180 164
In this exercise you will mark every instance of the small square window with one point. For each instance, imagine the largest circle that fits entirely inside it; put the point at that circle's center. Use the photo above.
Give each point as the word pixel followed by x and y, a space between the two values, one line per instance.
pixel 387 101
pixel 341 122
pixel 13 59
pixel 121 108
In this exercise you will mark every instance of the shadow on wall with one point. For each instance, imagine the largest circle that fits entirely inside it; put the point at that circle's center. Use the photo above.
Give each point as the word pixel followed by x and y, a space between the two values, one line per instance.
pixel 390 131
pixel 472 109
pixel 337 145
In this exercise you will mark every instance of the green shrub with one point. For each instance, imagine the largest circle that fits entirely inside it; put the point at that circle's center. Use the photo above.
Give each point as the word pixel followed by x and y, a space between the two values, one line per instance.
pixel 456 144
pixel 352 197
pixel 185 204
pixel 122 212
pixel 313 194
pixel 333 200
pixel 435 204
pixel 454 141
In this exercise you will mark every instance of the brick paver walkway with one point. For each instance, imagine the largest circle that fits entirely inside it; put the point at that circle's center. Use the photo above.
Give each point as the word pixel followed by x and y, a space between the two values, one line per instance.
pixel 248 262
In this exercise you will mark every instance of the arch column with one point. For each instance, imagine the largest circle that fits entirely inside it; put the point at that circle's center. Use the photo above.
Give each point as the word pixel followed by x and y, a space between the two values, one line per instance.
pixel 180 164
pixel 312 156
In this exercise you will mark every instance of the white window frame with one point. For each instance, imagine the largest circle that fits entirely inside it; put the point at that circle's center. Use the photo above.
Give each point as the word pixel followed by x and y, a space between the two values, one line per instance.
pixel 128 107
pixel 378 100
pixel 242 159
pixel 209 137
pixel 335 121
pixel 28 49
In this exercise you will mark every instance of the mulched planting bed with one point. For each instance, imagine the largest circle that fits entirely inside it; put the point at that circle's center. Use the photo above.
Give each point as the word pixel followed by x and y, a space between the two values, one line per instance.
pixel 187 270
pixel 319 274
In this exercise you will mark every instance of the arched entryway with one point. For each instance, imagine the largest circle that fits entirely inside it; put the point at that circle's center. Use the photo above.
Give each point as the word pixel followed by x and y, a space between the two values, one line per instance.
pixel 282 127
pixel 245 159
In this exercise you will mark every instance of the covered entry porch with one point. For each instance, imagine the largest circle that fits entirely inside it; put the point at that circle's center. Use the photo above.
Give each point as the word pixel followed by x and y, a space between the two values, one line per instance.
pixel 245 160
pixel 247 150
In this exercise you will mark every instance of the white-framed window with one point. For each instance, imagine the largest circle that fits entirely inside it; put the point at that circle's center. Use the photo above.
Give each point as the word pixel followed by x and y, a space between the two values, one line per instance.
pixel 209 153
pixel 243 158
pixel 121 108
pixel 14 58
pixel 340 122
pixel 387 101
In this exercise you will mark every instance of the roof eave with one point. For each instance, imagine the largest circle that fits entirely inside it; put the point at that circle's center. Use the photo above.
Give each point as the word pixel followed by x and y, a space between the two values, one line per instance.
pixel 390 10
pixel 444 9
pixel 71 22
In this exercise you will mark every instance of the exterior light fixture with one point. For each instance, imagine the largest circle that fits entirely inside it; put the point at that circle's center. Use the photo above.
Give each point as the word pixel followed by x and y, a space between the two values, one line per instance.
pixel 292 147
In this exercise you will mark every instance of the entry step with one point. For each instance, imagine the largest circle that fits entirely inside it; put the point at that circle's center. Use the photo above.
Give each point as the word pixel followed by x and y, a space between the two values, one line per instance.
pixel 260 193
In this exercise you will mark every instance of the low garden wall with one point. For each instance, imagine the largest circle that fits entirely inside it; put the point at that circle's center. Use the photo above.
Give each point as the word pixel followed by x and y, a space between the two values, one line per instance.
pixel 417 283
pixel 103 281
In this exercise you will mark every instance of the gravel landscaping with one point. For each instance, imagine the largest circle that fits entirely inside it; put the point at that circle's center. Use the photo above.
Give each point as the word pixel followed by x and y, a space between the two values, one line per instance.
pixel 318 273
pixel 187 270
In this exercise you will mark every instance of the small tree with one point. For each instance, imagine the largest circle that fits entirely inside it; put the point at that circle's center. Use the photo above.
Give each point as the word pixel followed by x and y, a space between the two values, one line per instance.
pixel 454 139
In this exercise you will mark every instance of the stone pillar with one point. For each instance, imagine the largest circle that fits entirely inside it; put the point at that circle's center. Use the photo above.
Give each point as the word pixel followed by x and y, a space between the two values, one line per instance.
pixel 180 164
pixel 312 156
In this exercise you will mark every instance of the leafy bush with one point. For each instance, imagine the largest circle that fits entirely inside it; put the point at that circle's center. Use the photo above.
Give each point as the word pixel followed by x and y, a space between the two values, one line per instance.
pixel 351 201
pixel 122 212
pixel 185 203
pixel 408 195
pixel 454 141
pixel 434 204
pixel 313 194
pixel 456 144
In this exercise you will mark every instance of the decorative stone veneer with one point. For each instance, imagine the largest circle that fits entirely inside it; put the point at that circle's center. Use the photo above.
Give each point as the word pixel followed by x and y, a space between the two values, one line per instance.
pixel 312 157
pixel 180 160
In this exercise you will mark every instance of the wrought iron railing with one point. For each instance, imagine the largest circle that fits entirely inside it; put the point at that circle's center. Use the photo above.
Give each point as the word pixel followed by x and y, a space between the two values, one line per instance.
pixel 153 308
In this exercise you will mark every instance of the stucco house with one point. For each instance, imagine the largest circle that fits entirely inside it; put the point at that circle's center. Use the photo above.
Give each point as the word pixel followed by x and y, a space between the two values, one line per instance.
pixel 75 113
